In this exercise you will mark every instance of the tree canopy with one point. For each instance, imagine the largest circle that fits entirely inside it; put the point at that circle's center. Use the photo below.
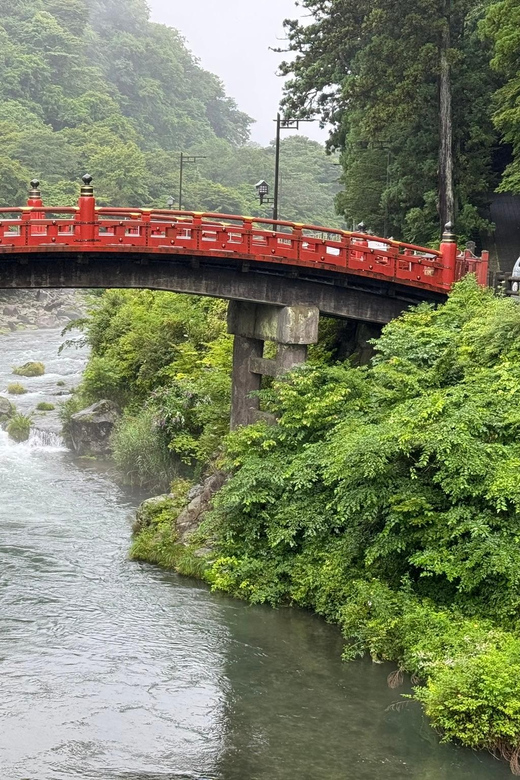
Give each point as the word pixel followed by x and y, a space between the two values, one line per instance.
pixel 96 86
pixel 372 70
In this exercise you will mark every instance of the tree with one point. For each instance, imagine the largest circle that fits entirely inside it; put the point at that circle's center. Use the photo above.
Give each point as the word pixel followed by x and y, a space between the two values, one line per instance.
pixel 502 28
pixel 376 72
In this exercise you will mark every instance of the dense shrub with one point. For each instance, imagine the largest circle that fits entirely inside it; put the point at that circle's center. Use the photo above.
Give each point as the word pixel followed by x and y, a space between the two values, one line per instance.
pixel 387 499
pixel 140 451
pixel 166 359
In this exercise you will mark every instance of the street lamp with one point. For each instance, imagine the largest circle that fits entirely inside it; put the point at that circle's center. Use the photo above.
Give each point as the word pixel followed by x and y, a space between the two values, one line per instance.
pixel 186 158
pixel 262 189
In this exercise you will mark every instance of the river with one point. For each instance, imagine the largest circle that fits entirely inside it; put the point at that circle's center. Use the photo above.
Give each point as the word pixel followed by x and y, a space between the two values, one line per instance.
pixel 111 670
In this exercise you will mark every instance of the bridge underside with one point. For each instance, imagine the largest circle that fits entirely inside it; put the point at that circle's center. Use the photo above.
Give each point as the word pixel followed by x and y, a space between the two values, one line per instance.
pixel 347 296
pixel 268 303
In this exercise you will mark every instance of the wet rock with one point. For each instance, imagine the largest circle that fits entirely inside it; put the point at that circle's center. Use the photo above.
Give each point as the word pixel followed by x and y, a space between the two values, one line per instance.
pixel 6 409
pixel 46 322
pixel 89 430
pixel 184 525
pixel 43 296
pixel 68 314
pixel 192 516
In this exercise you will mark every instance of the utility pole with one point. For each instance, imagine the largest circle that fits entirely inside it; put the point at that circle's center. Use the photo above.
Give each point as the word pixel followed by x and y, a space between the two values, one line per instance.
pixel 186 158
pixel 281 124
pixel 277 167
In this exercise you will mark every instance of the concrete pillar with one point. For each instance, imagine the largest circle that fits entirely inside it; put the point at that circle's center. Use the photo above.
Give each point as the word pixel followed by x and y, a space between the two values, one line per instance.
pixel 293 328
pixel 244 381
pixel 290 356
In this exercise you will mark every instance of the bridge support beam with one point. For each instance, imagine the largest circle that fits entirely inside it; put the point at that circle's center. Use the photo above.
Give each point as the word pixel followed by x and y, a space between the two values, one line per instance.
pixel 292 328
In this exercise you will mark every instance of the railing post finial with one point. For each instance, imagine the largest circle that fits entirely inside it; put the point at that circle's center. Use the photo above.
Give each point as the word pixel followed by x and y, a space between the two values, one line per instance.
pixel 34 192
pixel 449 253
pixel 87 190
pixel 449 237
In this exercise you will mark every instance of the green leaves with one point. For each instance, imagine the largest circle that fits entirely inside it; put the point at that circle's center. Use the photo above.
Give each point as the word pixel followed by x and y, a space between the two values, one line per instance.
pixel 388 500
pixel 371 70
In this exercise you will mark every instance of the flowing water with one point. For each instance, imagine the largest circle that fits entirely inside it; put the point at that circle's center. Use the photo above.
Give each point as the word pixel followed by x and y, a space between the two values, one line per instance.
pixel 114 670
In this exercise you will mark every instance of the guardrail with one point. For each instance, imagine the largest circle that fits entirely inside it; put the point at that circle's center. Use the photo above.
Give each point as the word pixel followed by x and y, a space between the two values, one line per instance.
pixel 86 227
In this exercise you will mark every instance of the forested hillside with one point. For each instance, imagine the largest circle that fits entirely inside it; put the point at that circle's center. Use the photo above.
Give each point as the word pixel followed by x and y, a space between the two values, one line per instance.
pixel 95 86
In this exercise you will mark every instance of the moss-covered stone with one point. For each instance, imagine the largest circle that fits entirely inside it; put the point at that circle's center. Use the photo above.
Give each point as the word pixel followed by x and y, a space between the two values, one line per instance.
pixel 19 427
pixel 30 369
pixel 15 388
pixel 44 406
pixel 160 539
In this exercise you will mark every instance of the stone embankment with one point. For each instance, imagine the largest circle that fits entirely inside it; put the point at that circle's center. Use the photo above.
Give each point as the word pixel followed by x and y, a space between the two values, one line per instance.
pixel 34 309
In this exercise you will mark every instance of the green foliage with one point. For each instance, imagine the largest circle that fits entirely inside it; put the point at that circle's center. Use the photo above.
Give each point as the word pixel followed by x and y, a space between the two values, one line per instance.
pixel 155 536
pixel 15 388
pixel 19 427
pixel 166 359
pixel 140 451
pixel 387 500
pixel 44 406
pixel 371 70
pixel 99 87
pixel 33 368
pixel 501 27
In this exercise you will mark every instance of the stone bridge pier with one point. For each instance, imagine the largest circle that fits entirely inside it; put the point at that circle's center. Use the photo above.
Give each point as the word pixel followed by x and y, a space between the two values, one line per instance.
pixel 292 328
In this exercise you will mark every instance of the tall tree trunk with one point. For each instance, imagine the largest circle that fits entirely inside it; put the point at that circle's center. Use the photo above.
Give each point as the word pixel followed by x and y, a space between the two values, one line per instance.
pixel 446 189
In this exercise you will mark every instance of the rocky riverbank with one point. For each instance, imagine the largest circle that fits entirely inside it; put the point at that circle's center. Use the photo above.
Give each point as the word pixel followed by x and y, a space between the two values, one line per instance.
pixel 36 309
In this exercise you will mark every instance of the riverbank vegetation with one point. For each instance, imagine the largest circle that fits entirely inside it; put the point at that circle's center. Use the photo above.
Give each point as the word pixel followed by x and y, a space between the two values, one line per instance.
pixel 386 499
pixel 166 361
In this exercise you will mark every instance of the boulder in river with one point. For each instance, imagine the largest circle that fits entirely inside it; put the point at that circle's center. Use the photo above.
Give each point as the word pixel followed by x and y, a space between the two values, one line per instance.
pixel 6 409
pixel 32 368
pixel 89 430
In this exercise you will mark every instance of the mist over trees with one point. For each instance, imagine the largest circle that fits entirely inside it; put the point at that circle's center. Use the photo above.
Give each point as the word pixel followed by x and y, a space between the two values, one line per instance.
pixel 95 86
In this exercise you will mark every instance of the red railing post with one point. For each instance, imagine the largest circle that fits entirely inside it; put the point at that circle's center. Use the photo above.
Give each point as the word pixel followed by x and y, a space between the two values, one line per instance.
pixel 86 217
pixel 448 249
pixel 25 227
pixel 33 201
pixel 146 219
pixel 482 269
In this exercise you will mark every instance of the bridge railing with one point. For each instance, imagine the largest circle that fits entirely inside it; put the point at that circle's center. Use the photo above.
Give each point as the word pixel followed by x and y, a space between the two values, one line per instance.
pixel 86 227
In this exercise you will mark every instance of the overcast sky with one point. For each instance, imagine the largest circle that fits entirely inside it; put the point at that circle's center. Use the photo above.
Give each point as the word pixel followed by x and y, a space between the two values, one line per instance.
pixel 232 39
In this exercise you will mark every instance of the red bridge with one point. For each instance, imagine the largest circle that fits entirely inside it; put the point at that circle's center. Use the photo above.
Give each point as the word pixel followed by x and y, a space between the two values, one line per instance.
pixel 258 262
